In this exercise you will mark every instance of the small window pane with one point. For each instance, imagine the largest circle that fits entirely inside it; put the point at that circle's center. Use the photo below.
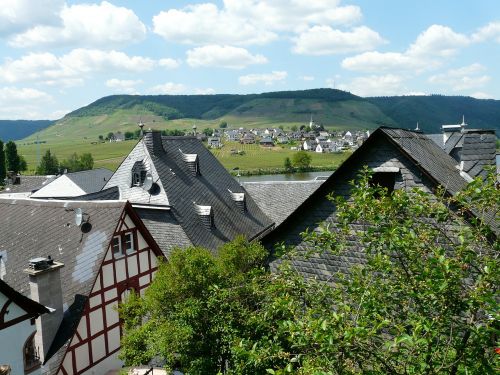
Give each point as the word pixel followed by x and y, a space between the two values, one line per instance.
pixel 116 246
pixel 128 242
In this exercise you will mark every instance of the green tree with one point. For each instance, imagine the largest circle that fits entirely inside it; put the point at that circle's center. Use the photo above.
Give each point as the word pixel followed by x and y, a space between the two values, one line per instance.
pixel 208 132
pixel 77 162
pixel 223 124
pixel 129 135
pixel 288 164
pixel 48 165
pixel 23 165
pixel 11 157
pixel 424 301
pixel 101 138
pixel 301 160
pixel 294 128
pixel 3 173
pixel 195 308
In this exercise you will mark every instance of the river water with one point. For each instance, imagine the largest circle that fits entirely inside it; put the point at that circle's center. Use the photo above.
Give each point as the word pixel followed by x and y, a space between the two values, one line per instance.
pixel 285 177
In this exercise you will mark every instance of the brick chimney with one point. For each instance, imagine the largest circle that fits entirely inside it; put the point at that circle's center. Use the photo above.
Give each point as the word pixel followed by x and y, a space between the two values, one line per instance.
pixel 45 287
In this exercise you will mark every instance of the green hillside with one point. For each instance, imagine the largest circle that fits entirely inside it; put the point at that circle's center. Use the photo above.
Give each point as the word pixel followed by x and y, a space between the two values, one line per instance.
pixel 79 130
pixel 435 110
pixel 18 129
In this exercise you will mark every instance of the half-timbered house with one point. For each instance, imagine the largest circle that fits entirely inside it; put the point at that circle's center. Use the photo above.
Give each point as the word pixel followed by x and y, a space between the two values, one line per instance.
pixel 80 260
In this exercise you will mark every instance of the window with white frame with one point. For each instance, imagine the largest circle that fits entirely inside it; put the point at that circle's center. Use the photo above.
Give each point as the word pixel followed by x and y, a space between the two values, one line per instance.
pixel 116 246
pixel 128 242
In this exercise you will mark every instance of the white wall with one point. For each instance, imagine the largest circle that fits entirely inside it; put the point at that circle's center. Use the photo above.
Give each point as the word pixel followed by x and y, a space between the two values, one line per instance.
pixel 12 339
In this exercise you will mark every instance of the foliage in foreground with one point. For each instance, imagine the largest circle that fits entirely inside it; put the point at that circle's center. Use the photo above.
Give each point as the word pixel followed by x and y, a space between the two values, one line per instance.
pixel 424 302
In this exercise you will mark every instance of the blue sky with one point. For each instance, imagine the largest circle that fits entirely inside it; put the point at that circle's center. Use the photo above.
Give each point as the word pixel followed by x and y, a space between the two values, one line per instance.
pixel 59 55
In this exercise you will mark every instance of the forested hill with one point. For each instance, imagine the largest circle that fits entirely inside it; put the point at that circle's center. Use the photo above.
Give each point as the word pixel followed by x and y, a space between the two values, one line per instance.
pixel 433 110
pixel 18 129
pixel 331 108
pixel 327 106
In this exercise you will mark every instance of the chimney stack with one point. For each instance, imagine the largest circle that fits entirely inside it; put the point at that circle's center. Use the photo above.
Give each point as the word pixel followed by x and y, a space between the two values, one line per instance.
pixel 45 287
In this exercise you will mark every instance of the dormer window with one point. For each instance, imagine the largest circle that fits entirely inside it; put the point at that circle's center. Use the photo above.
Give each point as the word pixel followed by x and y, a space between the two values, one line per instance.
pixel 384 177
pixel 206 214
pixel 139 172
pixel 239 200
pixel 192 162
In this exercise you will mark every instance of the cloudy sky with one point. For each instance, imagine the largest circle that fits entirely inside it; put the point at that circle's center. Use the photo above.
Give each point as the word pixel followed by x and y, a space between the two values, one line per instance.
pixel 59 55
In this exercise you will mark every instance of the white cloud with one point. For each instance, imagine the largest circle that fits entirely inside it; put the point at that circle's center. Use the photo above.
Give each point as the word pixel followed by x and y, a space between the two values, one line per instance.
pixel 70 69
pixel 481 95
pixel 206 24
pixel 438 40
pixel 266 78
pixel 168 88
pixel 464 78
pixel 246 22
pixel 489 32
pixel 306 78
pixel 428 52
pixel 88 25
pixel 169 63
pixel 123 85
pixel 22 103
pixel 295 15
pixel 19 15
pixel 374 61
pixel 205 91
pixel 375 85
pixel 323 40
pixel 222 57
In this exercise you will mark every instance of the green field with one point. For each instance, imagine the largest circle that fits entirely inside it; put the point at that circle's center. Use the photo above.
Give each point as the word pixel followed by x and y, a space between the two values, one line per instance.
pixel 111 154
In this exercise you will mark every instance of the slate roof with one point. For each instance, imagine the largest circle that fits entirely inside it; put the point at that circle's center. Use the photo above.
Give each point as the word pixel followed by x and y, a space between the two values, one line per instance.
pixel 165 229
pixel 422 159
pixel 37 228
pixel 278 199
pixel 29 184
pixel 92 180
pixel 112 193
pixel 180 190
pixel 476 148
pixel 431 159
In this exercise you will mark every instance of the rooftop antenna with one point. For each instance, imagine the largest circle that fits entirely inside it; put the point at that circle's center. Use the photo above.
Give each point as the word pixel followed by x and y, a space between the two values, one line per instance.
pixel 463 124
pixel 141 126
pixel 78 216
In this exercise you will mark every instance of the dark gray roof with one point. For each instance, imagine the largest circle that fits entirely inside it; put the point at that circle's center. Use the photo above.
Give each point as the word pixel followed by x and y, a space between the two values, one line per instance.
pixel 423 163
pixel 28 184
pixel 165 229
pixel 278 199
pixel 209 188
pixel 112 193
pixel 430 158
pixel 476 148
pixel 36 228
pixel 92 180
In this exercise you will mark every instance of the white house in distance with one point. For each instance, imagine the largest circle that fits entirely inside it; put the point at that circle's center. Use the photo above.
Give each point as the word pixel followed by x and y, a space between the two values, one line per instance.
pixel 17 330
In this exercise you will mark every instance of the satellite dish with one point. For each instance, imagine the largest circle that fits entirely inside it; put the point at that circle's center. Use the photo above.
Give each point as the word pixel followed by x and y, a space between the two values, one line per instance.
pixel 155 189
pixel 78 216
pixel 148 182
pixel 86 227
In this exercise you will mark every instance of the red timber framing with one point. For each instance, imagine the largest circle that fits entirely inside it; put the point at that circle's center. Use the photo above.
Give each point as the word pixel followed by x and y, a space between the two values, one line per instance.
pixel 99 330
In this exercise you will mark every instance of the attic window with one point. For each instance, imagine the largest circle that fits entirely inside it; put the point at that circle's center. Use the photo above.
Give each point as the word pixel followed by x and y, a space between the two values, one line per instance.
pixel 239 199
pixel 206 214
pixel 138 174
pixel 192 162
pixel 385 180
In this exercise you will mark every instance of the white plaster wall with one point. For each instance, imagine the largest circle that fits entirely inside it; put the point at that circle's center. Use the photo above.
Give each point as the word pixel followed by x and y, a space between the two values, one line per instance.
pixel 12 339
pixel 60 187
pixel 110 363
